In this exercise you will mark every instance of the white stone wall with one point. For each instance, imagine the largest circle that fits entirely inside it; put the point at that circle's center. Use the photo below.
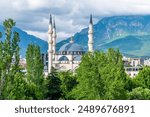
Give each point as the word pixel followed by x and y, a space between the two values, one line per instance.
pixel 65 65
pixel 132 71
pixel 135 62
pixel 132 74
pixel 147 62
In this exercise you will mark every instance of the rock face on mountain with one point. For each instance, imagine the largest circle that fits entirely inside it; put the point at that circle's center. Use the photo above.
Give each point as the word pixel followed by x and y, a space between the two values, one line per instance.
pixel 26 39
pixel 131 34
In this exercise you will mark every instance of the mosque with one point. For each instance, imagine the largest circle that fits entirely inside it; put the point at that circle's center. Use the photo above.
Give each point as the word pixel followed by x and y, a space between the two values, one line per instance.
pixel 68 57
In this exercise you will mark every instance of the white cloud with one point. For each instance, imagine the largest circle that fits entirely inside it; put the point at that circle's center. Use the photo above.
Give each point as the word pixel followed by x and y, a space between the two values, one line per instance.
pixel 37 4
pixel 63 35
pixel 42 35
pixel 71 15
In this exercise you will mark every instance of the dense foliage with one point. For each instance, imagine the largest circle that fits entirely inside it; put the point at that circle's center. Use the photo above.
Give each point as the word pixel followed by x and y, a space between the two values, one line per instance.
pixel 9 60
pixel 99 76
pixel 35 68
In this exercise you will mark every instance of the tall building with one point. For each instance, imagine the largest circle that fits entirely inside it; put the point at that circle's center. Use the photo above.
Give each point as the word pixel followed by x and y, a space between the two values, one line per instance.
pixel 50 43
pixel 68 57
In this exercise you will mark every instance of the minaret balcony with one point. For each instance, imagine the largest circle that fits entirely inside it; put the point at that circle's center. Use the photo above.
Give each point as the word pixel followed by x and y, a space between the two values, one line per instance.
pixel 50 31
pixel 50 51
pixel 50 41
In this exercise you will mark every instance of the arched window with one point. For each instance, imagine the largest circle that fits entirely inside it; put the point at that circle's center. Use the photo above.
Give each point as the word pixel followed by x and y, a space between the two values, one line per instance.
pixel 63 58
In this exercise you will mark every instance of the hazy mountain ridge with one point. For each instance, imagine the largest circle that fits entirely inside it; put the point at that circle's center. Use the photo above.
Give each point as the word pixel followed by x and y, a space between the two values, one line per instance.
pixel 131 45
pixel 110 31
pixel 26 39
pixel 131 34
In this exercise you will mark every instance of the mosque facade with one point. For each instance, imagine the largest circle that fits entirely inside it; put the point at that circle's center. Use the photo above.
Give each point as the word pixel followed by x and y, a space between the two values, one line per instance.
pixel 68 57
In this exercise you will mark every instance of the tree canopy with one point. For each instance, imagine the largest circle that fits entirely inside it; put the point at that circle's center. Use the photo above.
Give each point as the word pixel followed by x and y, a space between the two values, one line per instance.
pixel 101 76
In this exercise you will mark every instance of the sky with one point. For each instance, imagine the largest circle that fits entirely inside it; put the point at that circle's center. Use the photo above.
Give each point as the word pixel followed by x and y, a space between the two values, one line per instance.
pixel 70 16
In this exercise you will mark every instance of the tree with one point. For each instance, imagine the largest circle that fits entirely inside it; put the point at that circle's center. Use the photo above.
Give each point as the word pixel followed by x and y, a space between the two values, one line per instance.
pixel 101 76
pixel 68 82
pixel 140 93
pixel 35 70
pixel 114 75
pixel 141 83
pixel 19 88
pixel 53 86
pixel 143 78
pixel 89 78
pixel 9 57
pixel 130 83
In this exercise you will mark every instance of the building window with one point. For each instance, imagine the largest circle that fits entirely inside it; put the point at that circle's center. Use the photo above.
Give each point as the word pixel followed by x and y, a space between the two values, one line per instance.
pixel 129 74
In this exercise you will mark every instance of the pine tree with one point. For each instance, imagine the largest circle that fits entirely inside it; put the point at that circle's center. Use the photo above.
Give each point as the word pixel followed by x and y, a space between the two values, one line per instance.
pixel 9 57
pixel 53 84
pixel 35 70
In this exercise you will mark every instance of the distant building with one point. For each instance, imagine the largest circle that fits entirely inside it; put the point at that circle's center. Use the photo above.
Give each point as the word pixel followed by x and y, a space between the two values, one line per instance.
pixel 147 62
pixel 23 63
pixel 133 65
pixel 137 62
pixel 132 71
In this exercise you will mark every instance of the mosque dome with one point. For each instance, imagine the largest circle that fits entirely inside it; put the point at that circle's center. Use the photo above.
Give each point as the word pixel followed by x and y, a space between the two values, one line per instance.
pixel 71 47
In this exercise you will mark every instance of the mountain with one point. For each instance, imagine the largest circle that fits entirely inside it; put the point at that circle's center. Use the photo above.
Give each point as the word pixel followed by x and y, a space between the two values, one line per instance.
pixel 26 39
pixel 131 34
pixel 137 46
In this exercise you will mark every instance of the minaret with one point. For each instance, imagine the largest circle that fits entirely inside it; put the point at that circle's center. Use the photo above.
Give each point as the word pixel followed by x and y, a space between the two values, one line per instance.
pixel 54 38
pixel 90 35
pixel 71 40
pixel 50 42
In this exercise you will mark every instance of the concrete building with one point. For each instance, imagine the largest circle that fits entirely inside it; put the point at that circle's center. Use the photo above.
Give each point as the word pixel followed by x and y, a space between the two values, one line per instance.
pixel 133 65
pixel 137 62
pixel 133 71
pixel 147 62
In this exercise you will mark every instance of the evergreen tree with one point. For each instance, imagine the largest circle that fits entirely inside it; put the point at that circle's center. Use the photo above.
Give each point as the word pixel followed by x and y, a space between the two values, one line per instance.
pixel 19 88
pixel 9 57
pixel 35 70
pixel 53 83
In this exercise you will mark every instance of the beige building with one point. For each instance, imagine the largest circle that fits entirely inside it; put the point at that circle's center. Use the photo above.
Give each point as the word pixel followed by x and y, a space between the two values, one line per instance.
pixel 133 66
pixel 132 71
pixel 147 62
